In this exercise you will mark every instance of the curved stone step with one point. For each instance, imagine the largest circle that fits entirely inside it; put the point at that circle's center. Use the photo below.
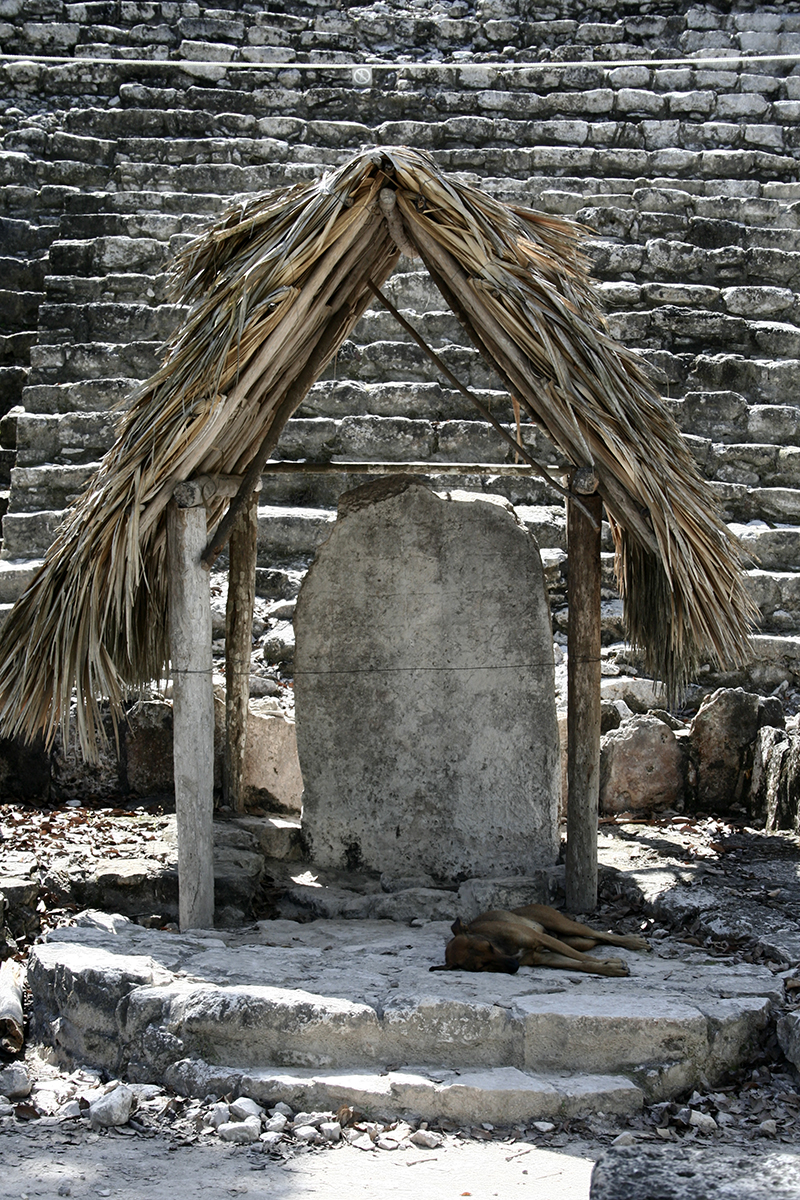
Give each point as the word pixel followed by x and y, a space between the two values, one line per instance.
pixel 355 995
pixel 502 1095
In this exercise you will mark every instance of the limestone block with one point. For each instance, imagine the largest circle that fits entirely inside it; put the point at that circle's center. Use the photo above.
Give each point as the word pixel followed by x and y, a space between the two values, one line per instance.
pixel 276 836
pixel 680 1172
pixel 284 1025
pixel 640 767
pixel 132 886
pixel 147 740
pixel 272 768
pixel 700 104
pixel 638 1029
pixel 481 895
pixel 741 104
pixel 640 695
pixel 639 102
pixel 112 1109
pixel 426 722
pixel 789 1036
pixel 629 77
pixel 775 781
pixel 722 736
pixel 391 438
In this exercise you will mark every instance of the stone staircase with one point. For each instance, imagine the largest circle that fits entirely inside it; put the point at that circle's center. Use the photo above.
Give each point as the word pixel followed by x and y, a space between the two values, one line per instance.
pixel 346 1012
pixel 135 124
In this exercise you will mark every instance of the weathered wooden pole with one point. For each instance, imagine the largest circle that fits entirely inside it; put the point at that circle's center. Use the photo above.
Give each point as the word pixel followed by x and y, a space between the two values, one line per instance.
pixel 242 550
pixel 583 692
pixel 192 706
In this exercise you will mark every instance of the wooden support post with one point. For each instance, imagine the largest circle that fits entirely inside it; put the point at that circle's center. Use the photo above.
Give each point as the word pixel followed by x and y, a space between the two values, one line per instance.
pixel 193 712
pixel 242 550
pixel 583 693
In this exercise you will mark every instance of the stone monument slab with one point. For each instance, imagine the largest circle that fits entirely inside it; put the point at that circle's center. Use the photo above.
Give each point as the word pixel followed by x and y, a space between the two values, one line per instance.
pixel 426 721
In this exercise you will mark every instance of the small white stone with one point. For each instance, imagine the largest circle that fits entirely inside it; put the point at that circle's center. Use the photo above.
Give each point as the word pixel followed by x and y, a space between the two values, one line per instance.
pixel 276 1124
pixel 112 1109
pixel 69 1111
pixel 624 1139
pixel 427 1138
pixel 307 1133
pixel 245 1107
pixel 146 1091
pixel 271 1138
pixel 363 1142
pixel 702 1121
pixel 543 1126
pixel 384 1142
pixel 768 1128
pixel 331 1131
pixel 280 1107
pixel 245 1131
pixel 220 1115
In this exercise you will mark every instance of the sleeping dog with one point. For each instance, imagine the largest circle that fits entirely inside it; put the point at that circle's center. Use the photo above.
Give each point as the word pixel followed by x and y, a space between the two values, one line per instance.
pixel 505 941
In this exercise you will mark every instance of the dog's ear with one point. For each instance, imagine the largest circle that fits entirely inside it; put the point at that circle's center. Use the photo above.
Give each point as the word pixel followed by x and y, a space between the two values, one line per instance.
pixel 458 926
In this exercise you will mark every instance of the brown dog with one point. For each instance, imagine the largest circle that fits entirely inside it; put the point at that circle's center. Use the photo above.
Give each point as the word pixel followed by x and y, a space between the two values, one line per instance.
pixel 505 941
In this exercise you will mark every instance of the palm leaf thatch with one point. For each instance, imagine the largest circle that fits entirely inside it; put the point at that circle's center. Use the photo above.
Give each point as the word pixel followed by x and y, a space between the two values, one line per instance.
pixel 274 288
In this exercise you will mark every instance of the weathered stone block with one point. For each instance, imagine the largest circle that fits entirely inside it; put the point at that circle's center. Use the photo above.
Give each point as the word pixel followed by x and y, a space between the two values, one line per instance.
pixel 722 737
pixel 775 781
pixel 424 683
pixel 640 767
pixel 147 753
pixel 271 769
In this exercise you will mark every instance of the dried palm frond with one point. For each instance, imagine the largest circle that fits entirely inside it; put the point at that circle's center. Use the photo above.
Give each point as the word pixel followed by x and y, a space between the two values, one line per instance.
pixel 278 283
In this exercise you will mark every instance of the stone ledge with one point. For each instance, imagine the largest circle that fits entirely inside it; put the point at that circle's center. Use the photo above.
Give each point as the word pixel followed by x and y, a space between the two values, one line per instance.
pixel 358 995
pixel 502 1095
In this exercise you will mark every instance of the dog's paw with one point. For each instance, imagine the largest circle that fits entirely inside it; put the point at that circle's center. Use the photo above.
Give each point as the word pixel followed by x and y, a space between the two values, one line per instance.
pixel 634 942
pixel 616 967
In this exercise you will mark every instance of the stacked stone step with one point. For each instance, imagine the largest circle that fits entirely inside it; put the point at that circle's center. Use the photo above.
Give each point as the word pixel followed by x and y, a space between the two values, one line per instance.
pixel 306 30
pixel 687 173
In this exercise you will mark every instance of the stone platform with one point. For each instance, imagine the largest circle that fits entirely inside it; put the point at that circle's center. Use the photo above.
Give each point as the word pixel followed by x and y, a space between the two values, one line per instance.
pixel 346 1012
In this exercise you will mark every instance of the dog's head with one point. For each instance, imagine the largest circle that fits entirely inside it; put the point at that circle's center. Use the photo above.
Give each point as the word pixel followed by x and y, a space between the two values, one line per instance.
pixel 471 952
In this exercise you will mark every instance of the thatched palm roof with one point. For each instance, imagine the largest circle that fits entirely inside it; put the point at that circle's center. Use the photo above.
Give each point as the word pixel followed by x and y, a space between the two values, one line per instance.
pixel 274 288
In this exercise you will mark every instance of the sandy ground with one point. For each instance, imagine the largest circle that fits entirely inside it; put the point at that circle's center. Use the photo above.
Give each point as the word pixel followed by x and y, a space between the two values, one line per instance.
pixel 43 1159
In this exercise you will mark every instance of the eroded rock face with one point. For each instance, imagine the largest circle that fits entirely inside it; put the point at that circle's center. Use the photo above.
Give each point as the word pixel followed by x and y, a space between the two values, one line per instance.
pixel 426 723
pixel 640 767
pixel 775 782
pixel 722 737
